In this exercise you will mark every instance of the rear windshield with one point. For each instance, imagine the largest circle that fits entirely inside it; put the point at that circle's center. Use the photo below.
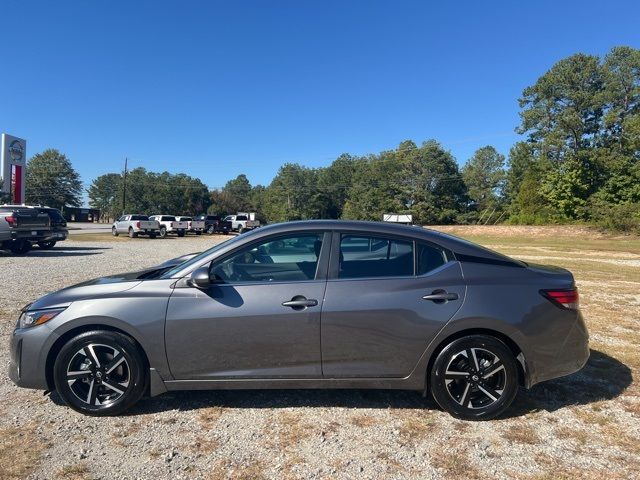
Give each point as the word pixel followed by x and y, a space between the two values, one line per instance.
pixel 241 217
pixel 167 218
pixel 139 217
pixel 185 219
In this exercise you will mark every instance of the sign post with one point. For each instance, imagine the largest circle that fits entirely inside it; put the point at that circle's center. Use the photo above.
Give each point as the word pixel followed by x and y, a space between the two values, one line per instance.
pixel 13 166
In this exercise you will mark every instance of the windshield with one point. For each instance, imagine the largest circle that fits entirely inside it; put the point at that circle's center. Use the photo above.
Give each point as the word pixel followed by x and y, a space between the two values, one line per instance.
pixel 198 258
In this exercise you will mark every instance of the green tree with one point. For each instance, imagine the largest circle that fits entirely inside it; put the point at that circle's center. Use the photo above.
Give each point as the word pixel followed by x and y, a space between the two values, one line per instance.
pixel 484 177
pixel 563 110
pixel 51 180
pixel 104 194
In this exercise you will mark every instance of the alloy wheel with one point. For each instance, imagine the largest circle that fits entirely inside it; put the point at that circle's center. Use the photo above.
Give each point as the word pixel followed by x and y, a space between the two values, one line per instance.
pixel 475 378
pixel 98 374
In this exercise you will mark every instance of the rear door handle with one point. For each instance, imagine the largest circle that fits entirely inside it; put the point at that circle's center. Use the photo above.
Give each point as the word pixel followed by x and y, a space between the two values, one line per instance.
pixel 299 302
pixel 440 296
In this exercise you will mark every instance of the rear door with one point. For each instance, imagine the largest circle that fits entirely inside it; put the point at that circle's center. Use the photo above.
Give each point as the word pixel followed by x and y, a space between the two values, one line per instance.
pixel 386 299
pixel 261 317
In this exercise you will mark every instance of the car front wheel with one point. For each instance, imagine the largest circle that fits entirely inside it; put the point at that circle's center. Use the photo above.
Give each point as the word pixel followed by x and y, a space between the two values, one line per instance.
pixel 475 377
pixel 100 373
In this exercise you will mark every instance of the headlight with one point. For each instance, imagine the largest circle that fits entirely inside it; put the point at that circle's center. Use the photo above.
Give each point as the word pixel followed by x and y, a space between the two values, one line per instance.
pixel 38 317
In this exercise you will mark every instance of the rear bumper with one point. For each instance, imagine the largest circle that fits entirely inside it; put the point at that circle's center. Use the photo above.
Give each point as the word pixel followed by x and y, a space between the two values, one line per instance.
pixel 571 356
pixel 35 235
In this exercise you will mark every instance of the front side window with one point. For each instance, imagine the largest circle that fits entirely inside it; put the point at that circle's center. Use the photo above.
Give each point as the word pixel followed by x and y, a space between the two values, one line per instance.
pixel 280 259
pixel 367 256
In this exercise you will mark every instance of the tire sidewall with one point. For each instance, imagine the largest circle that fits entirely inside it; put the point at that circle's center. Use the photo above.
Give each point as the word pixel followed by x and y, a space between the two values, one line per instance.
pixel 438 387
pixel 127 347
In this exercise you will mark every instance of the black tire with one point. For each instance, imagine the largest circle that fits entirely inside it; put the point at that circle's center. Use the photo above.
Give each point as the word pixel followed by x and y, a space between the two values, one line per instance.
pixel 101 398
pixel 468 392
pixel 114 232
pixel 132 234
pixel 47 245
pixel 163 232
pixel 198 233
pixel 242 230
pixel 20 247
pixel 210 230
pixel 225 232
pixel 152 235
pixel 181 233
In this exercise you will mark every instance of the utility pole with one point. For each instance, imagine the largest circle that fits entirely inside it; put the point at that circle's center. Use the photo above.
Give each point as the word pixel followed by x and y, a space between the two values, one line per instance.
pixel 124 186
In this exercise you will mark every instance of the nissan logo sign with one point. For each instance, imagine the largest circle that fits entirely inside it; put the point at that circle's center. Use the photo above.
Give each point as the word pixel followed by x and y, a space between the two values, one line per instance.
pixel 16 150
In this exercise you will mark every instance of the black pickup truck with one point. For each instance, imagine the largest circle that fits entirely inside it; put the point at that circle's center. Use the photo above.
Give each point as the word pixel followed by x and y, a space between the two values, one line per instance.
pixel 21 226
pixel 214 224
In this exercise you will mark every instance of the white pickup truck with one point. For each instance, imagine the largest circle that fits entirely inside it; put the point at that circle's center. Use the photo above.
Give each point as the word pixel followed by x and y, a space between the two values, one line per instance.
pixel 135 225
pixel 169 224
pixel 194 226
pixel 242 222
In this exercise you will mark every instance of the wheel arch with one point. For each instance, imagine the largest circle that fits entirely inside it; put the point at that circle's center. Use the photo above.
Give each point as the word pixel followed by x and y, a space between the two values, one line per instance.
pixel 518 353
pixel 66 336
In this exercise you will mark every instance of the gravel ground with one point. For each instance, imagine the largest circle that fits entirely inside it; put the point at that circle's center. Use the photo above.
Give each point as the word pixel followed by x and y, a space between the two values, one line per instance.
pixel 585 425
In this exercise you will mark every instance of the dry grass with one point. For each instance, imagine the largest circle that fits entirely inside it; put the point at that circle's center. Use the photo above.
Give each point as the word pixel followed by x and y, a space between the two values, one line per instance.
pixel 455 464
pixel 229 470
pixel 78 471
pixel 209 416
pixel 20 452
pixel 363 421
pixel 521 434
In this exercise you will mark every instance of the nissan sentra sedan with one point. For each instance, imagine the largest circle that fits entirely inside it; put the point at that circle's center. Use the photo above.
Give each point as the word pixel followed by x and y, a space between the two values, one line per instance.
pixel 313 304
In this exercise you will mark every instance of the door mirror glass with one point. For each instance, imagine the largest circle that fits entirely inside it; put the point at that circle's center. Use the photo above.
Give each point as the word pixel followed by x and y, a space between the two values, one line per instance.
pixel 200 277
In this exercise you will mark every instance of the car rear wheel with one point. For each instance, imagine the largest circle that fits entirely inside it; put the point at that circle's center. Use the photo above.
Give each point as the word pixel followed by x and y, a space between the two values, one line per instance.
pixel 475 378
pixel 100 373
pixel 163 232
pixel 132 234
pixel 210 230
pixel 47 245
pixel 181 233
pixel 20 247
pixel 114 232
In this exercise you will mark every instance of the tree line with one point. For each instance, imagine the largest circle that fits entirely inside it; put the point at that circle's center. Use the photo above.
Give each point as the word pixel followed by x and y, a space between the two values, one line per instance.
pixel 579 162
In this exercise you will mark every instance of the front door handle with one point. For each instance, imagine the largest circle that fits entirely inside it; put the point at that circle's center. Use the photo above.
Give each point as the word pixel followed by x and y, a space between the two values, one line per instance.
pixel 440 296
pixel 299 302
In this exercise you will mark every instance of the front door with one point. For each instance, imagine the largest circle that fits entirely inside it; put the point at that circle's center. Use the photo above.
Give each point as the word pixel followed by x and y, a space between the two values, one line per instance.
pixel 259 319
pixel 375 321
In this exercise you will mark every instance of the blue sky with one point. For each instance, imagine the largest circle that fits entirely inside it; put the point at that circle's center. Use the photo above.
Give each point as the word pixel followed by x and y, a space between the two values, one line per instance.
pixel 214 89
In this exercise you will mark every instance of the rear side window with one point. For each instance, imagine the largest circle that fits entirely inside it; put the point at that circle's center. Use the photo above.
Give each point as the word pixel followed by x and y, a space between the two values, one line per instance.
pixel 429 258
pixel 367 256
pixel 241 217
pixel 167 218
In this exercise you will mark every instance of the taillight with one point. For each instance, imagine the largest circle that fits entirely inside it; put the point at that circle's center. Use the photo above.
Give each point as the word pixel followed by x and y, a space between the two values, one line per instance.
pixel 11 220
pixel 189 225
pixel 137 224
pixel 565 298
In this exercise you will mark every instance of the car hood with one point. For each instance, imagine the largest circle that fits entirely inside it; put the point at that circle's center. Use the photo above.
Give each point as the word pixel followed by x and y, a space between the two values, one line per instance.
pixel 96 288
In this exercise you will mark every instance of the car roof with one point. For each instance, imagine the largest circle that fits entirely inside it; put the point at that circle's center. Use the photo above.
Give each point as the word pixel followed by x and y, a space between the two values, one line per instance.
pixel 459 246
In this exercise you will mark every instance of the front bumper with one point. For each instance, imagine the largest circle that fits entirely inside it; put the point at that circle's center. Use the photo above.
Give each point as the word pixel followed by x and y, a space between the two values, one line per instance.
pixel 28 348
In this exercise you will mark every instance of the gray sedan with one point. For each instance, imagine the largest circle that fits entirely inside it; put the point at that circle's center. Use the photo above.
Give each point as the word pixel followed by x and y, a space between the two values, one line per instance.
pixel 314 304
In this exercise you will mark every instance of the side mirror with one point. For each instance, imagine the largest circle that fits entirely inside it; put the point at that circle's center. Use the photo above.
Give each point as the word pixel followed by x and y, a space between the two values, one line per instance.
pixel 200 277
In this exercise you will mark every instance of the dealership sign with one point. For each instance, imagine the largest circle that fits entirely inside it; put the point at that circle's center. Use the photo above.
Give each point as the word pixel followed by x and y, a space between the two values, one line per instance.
pixel 13 166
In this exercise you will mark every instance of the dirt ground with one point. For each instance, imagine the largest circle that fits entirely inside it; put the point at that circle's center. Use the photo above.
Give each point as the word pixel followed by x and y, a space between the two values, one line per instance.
pixel 583 426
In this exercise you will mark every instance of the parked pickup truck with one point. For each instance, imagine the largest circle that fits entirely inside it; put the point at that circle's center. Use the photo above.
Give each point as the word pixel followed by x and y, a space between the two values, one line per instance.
pixel 135 225
pixel 242 222
pixel 214 224
pixel 195 226
pixel 169 224
pixel 59 230
pixel 21 226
